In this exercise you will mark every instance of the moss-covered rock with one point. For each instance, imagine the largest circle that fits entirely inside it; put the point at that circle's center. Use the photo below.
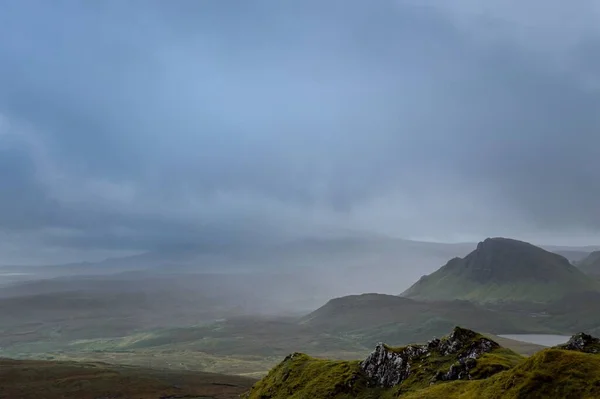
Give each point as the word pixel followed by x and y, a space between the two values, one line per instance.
pixel 463 365
pixel 454 357
pixel 387 372
pixel 583 343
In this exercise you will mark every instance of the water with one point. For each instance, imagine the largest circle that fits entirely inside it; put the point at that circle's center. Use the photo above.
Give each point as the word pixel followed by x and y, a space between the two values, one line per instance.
pixel 539 339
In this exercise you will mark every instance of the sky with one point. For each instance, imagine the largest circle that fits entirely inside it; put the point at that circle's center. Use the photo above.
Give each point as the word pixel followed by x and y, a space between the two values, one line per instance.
pixel 129 126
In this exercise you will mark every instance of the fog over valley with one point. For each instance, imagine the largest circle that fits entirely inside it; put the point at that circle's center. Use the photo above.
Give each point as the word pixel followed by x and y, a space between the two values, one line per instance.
pixel 199 187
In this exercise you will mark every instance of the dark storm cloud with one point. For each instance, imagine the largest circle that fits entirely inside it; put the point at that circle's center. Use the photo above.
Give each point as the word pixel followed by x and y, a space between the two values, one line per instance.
pixel 135 124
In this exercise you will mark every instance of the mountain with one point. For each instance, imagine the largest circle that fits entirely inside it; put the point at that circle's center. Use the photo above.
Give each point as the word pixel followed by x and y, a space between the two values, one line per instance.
pixel 503 270
pixel 463 364
pixel 591 264
pixel 370 318
pixel 351 261
pixel 573 255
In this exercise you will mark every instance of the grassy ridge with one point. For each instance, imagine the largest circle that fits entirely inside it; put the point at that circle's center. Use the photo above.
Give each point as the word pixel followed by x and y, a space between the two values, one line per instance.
pixel 551 373
pixel 301 376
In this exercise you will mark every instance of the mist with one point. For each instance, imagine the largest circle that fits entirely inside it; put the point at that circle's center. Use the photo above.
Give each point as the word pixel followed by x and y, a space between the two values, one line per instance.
pixel 143 126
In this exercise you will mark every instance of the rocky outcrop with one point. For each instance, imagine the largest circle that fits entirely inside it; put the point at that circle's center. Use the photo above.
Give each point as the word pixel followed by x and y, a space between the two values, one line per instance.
pixel 583 343
pixel 458 371
pixel 387 367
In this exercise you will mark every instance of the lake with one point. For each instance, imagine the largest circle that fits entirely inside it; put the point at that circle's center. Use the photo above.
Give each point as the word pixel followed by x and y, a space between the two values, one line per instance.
pixel 538 339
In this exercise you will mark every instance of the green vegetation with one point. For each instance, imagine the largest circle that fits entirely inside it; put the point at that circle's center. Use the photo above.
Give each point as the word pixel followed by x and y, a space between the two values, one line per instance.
pixel 503 270
pixel 301 376
pixel 345 328
pixel 370 318
pixel 243 346
pixel 550 373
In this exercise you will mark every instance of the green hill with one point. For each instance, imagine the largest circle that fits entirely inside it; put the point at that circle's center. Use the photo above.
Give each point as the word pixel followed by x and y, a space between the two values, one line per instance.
pixel 370 318
pixel 591 264
pixel 503 270
pixel 387 372
pixel 463 365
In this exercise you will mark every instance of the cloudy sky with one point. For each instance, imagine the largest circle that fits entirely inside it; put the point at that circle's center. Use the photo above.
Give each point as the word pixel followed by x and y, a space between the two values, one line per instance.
pixel 140 125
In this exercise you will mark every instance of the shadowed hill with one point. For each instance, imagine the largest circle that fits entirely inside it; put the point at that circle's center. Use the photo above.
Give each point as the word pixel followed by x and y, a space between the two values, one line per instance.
pixel 25 379
pixel 591 264
pixel 375 317
pixel 502 269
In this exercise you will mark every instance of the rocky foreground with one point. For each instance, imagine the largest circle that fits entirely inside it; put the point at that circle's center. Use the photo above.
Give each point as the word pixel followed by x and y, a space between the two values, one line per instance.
pixel 463 364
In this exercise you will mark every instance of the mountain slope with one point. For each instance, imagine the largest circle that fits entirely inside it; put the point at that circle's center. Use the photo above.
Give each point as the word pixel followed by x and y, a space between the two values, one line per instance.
pixel 551 373
pixel 501 269
pixel 464 365
pixel 388 372
pixel 591 264
pixel 370 318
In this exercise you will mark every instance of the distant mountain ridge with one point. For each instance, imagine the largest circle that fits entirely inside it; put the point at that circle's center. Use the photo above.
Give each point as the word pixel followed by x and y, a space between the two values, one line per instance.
pixel 591 264
pixel 503 270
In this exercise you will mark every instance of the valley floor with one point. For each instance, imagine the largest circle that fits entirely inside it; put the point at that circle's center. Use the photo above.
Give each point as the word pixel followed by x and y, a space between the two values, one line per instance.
pixel 28 379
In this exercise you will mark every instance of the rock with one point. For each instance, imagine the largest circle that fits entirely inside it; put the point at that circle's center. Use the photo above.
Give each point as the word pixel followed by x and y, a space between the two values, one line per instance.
pixel 583 343
pixel 387 367
pixel 458 371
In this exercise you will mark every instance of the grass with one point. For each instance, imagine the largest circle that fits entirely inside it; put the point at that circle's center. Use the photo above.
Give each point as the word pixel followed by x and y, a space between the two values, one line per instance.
pixel 304 377
pixel 70 380
pixel 551 373
pixel 522 348
pixel 301 376
pixel 250 366
pixel 247 346
pixel 186 357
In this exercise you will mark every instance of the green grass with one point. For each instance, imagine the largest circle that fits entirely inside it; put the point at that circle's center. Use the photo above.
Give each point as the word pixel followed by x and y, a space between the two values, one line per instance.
pixel 304 377
pixel 301 376
pixel 522 348
pixel 250 366
pixel 551 373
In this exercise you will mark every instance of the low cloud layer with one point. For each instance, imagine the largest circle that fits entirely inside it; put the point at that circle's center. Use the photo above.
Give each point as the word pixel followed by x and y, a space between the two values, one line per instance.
pixel 132 126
